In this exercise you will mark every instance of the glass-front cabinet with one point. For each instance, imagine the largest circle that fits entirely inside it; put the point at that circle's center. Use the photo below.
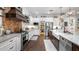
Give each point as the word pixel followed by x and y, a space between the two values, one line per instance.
pixel 1 21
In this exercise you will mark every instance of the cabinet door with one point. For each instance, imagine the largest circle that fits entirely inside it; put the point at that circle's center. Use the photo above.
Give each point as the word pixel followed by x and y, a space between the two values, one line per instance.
pixel 75 47
pixel 18 43
pixel 9 47
pixel 4 48
pixel 12 47
pixel 30 35
pixel 61 47
pixel 56 43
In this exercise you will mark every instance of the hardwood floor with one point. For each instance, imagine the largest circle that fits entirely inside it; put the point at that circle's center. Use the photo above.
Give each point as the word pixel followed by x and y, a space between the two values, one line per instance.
pixel 36 45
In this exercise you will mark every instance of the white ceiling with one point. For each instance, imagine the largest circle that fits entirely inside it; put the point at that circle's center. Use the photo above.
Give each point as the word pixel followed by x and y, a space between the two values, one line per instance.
pixel 44 11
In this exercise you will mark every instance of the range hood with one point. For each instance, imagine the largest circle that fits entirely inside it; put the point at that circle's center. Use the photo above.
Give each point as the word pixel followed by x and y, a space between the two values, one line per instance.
pixel 15 13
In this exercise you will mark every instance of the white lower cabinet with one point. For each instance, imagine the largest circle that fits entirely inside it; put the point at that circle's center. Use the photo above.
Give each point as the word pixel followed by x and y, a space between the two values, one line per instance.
pixel 30 35
pixel 18 44
pixel 12 47
pixel 13 44
pixel 9 45
pixel 64 44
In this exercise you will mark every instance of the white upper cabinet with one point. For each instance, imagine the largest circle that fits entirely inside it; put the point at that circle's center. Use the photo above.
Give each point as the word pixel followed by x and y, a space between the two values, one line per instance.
pixel 0 21
pixel 1 12
pixel 18 43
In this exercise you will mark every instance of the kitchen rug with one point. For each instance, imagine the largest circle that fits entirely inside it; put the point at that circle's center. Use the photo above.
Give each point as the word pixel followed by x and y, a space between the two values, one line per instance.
pixel 49 46
pixel 34 38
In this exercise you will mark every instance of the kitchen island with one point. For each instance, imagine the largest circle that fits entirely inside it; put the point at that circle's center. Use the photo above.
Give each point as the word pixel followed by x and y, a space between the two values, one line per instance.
pixel 73 38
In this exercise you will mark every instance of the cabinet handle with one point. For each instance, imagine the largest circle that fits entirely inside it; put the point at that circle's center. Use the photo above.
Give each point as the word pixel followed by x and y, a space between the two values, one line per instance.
pixel 62 38
pixel 11 47
pixel 11 40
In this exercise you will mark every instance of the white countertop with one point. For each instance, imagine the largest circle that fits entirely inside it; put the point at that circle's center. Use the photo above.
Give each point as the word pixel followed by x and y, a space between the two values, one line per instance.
pixel 73 38
pixel 56 33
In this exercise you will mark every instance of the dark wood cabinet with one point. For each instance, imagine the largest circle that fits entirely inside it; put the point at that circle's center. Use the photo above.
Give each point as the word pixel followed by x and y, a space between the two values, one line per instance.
pixel 56 43
pixel 75 47
pixel 54 40
pixel 50 35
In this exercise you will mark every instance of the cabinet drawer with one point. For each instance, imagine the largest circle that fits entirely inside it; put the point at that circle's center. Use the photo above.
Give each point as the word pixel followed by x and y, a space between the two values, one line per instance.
pixel 8 41
pixel 12 47
pixel 9 47
pixel 75 47
pixel 69 43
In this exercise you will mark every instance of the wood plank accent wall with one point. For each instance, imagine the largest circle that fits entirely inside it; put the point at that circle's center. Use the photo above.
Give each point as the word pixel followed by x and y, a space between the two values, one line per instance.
pixel 14 24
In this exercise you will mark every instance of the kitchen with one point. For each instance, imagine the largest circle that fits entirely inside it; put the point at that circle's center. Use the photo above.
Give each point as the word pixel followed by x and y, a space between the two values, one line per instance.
pixel 39 29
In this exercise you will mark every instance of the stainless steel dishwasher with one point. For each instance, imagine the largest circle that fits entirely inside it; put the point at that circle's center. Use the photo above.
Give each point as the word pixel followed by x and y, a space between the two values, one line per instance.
pixel 64 44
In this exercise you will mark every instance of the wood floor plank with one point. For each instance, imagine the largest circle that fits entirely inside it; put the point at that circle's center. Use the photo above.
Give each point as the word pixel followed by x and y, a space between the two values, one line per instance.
pixel 36 45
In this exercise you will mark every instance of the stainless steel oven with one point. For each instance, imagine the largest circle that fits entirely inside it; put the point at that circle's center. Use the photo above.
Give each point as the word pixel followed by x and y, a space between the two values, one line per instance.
pixel 24 37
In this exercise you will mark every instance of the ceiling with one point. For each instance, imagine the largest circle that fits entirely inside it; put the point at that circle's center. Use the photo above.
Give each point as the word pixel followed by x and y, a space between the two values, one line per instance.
pixel 47 11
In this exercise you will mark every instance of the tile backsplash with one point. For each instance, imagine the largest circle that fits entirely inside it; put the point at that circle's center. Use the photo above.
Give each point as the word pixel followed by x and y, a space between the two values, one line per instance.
pixel 13 24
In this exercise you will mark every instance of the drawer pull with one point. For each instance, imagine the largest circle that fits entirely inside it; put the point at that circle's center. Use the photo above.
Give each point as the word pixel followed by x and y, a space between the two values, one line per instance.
pixel 11 40
pixel 11 47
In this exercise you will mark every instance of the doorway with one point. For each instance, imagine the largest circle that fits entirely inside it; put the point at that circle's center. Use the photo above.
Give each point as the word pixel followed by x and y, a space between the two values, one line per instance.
pixel 42 28
pixel 48 27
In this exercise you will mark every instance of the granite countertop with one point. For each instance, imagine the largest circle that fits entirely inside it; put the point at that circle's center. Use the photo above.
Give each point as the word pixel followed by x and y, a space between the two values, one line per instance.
pixel 6 37
pixel 74 38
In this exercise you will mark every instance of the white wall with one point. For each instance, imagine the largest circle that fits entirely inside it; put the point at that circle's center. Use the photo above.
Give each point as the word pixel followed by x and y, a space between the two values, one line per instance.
pixel 39 19
pixel 31 20
pixel 46 19
pixel 36 20
pixel 49 19
pixel 25 11
pixel 0 21
pixel 56 22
